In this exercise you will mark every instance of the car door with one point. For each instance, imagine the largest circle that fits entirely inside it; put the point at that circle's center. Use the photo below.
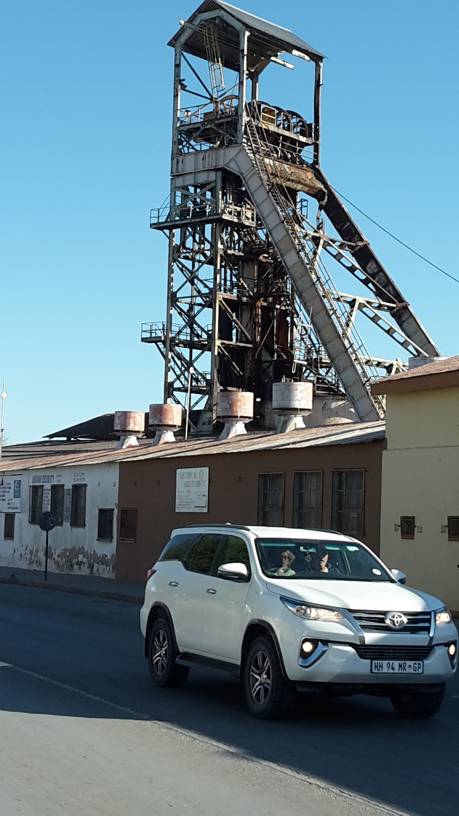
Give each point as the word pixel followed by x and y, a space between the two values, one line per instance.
pixel 226 611
pixel 191 594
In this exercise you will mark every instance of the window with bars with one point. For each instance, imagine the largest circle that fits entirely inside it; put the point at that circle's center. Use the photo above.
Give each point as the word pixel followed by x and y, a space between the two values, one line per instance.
pixel 307 499
pixel 8 530
pixel 453 528
pixel 57 504
pixel 128 525
pixel 105 524
pixel 407 526
pixel 78 508
pixel 35 503
pixel 348 502
pixel 271 499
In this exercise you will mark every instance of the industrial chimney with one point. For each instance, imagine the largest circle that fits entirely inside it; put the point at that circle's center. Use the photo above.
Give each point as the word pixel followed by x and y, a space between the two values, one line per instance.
pixel 235 409
pixel 130 425
pixel 164 419
pixel 291 401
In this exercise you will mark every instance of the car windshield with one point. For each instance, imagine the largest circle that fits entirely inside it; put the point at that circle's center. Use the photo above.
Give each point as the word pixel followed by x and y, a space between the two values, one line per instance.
pixel 322 559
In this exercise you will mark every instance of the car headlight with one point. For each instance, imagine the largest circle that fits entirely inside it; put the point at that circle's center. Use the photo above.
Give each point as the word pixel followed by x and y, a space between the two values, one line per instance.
pixel 315 613
pixel 442 616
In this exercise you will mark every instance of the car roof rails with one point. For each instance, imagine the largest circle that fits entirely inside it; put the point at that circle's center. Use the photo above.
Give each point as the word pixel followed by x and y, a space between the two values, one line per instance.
pixel 222 524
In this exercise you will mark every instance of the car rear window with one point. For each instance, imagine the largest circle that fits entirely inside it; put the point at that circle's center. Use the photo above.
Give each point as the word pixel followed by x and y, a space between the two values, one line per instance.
pixel 178 547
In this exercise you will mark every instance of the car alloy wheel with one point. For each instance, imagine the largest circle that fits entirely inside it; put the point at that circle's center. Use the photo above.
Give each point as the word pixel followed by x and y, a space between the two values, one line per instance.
pixel 260 677
pixel 160 651
pixel 162 655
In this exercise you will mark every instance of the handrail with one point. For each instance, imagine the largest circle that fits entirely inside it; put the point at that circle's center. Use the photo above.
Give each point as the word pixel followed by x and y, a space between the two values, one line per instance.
pixel 295 223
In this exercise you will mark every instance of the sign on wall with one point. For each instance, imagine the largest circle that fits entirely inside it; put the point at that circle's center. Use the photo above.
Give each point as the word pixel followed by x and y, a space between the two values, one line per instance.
pixel 192 490
pixel 10 494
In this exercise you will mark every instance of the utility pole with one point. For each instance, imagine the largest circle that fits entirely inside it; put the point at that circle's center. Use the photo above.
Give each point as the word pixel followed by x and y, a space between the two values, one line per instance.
pixel 4 395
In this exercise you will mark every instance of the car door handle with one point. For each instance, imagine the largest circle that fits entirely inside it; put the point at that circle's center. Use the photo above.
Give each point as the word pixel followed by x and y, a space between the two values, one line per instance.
pixel 173 583
pixel 211 591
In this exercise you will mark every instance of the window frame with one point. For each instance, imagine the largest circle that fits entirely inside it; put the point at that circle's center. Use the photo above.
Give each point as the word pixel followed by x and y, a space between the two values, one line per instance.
pixel 405 532
pixel 35 508
pixel 122 511
pixel 58 520
pixel 74 519
pixel 452 536
pixel 320 510
pixel 359 533
pixel 11 517
pixel 261 512
pixel 110 510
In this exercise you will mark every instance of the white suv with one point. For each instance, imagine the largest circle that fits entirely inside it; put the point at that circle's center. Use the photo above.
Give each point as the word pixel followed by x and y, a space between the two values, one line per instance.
pixel 294 610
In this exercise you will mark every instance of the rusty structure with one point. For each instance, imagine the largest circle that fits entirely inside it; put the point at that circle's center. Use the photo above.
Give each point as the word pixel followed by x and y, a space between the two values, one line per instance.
pixel 254 228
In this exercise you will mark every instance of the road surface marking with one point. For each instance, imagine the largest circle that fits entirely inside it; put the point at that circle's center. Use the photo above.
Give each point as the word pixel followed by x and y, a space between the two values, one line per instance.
pixel 316 782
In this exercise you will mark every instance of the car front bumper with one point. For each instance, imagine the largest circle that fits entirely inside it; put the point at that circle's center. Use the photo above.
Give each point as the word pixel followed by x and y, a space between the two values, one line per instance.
pixel 339 663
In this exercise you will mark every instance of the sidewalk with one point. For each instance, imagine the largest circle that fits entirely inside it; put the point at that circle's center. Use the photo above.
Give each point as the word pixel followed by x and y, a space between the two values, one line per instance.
pixel 77 584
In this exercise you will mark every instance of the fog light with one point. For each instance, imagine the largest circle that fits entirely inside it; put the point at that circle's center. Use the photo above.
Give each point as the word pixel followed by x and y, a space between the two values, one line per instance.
pixel 308 646
pixel 452 654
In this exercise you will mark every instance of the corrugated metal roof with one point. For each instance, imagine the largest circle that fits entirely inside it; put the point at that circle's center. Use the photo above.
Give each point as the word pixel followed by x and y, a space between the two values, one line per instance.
pixel 340 434
pixel 263 30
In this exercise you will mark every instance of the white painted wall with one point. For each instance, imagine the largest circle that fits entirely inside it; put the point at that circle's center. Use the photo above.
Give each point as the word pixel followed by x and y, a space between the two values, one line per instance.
pixel 71 549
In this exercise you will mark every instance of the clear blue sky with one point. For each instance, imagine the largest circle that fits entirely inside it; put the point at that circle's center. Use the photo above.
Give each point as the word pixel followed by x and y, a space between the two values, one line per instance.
pixel 84 152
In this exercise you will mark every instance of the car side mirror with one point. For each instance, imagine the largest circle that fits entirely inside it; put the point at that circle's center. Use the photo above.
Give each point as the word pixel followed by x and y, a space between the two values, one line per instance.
pixel 233 572
pixel 399 576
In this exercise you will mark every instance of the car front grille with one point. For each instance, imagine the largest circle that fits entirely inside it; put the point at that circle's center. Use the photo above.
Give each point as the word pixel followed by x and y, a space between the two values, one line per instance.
pixel 370 621
pixel 393 652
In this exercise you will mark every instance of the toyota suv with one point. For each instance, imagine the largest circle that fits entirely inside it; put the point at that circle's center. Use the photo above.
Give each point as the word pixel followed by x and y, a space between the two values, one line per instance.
pixel 294 611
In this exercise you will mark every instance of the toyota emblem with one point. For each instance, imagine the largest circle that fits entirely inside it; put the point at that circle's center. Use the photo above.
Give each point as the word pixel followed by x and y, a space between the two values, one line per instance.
pixel 397 620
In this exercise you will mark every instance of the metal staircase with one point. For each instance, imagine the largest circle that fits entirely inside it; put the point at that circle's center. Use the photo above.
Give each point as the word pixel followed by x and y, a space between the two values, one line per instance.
pixel 287 232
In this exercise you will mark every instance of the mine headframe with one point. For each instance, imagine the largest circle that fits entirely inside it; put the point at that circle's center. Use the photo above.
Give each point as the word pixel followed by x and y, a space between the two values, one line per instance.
pixel 254 230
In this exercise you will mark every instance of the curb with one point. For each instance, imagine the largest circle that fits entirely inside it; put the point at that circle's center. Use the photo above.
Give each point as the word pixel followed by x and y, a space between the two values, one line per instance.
pixel 95 593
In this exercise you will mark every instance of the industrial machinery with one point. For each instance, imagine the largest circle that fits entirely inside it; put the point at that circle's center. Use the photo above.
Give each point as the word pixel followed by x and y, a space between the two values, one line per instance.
pixel 254 228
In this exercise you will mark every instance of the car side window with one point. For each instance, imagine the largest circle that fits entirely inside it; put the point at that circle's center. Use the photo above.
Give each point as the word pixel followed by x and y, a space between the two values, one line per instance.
pixel 178 547
pixel 233 550
pixel 203 554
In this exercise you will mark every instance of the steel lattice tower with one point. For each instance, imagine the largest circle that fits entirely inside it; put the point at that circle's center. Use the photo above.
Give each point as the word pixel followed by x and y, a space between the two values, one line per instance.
pixel 251 220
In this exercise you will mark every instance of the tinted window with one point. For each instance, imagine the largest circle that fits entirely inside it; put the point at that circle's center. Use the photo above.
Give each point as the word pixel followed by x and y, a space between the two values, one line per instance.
pixel 233 551
pixel 204 553
pixel 178 547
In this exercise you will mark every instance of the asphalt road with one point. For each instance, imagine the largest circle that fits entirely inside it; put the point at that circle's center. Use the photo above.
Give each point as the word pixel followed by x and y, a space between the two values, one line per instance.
pixel 82 731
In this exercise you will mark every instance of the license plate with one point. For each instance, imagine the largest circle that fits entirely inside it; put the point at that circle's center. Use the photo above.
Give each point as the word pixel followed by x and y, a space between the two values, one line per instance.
pixel 397 666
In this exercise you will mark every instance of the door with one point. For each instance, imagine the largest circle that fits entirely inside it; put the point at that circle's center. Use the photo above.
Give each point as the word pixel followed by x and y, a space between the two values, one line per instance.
pixel 191 594
pixel 226 612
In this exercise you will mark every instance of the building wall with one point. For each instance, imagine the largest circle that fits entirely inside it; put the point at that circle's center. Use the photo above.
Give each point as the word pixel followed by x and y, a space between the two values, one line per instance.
pixel 423 419
pixel 149 487
pixel 420 478
pixel 71 549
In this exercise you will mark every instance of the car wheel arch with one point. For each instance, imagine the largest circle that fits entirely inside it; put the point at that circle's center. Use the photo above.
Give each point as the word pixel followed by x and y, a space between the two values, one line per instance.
pixel 260 628
pixel 159 610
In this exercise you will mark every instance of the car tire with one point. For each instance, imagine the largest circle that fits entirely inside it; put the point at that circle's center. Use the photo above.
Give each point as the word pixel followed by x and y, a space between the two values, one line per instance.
pixel 162 655
pixel 266 690
pixel 420 704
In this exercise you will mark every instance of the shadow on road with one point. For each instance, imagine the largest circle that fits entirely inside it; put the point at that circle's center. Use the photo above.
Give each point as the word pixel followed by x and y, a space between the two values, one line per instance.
pixel 358 744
